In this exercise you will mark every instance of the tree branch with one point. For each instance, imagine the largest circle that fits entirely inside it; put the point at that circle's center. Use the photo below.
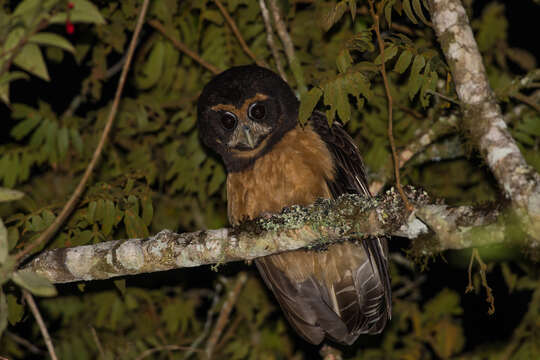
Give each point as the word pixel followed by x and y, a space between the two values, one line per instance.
pixel 482 115
pixel 44 332
pixel 294 63
pixel 315 226
pixel 224 313
pixel 238 35
pixel 375 18
pixel 270 39
pixel 182 47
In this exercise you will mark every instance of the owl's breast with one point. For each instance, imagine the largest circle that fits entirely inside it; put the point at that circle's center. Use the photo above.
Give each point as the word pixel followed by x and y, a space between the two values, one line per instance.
pixel 294 171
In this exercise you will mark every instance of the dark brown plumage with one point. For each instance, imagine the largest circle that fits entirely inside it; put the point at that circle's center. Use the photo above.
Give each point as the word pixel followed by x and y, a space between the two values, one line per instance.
pixel 249 116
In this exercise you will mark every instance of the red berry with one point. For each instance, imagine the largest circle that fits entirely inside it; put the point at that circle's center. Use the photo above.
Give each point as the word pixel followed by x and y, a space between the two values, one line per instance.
pixel 70 5
pixel 70 28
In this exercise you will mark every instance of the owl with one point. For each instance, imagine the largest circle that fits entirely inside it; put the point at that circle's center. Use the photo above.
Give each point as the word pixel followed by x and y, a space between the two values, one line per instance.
pixel 249 116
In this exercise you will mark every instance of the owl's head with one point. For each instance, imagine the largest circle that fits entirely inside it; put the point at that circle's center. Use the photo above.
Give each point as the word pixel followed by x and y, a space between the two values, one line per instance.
pixel 243 112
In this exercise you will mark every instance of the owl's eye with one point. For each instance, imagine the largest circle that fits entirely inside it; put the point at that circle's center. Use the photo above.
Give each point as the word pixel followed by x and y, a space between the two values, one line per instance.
pixel 228 121
pixel 257 111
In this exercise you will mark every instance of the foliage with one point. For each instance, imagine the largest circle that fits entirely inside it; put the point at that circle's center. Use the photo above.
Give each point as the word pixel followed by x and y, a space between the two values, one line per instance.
pixel 56 88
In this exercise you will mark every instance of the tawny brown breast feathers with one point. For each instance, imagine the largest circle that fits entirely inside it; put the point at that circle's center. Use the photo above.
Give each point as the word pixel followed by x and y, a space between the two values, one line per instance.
pixel 336 292
pixel 293 172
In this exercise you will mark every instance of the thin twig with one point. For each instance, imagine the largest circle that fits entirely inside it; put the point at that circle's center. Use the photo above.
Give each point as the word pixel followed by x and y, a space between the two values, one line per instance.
pixel 410 286
pixel 270 39
pixel 526 100
pixel 285 38
pixel 230 331
pixel 80 98
pixel 224 314
pixel 44 332
pixel 470 287
pixel 442 96
pixel 389 98
pixel 208 323
pixel 23 342
pixel 182 47
pixel 237 33
pixel 72 202
pixel 98 343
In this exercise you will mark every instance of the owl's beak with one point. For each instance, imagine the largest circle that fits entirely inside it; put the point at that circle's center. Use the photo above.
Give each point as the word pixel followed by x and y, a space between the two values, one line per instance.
pixel 247 137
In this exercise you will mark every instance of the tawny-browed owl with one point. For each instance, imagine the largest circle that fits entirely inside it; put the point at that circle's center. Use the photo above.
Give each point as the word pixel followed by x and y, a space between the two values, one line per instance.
pixel 249 116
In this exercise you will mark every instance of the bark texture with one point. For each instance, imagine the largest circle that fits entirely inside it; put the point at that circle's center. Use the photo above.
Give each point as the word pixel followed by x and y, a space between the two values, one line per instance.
pixel 314 226
pixel 482 115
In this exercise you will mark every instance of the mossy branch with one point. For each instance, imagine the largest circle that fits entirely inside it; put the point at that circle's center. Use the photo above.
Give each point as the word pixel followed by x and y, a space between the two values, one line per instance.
pixel 315 226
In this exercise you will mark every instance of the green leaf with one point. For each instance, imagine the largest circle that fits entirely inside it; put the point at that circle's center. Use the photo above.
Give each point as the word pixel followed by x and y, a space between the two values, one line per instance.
pixel 352 8
pixel 358 84
pixel 83 11
pixel 147 210
pixel 212 16
pixel 31 60
pixel 153 67
pixel 63 141
pixel 403 61
pixel 307 103
pixel 51 39
pixel 418 11
pixel 120 284
pixel 26 5
pixel 34 283
pixel 343 106
pixel 388 12
pixel 448 339
pixel 24 127
pixel 15 310
pixel 13 237
pixel 429 84
pixel 35 223
pixel 389 53
pixel 91 212
pixel 218 178
pixel 408 11
pixel 415 79
pixel 344 61
pixel 444 303
pixel 10 194
pixel 108 216
pixel 333 15
pixel 4 92
pixel 135 227
pixel 3 243
pixel 76 139
pixel 186 124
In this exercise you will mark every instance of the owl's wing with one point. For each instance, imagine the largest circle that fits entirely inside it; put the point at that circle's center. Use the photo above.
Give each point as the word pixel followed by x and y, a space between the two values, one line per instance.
pixel 350 177
pixel 344 291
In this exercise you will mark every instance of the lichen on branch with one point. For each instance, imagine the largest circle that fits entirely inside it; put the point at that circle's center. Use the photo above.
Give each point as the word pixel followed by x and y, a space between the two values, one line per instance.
pixel 348 218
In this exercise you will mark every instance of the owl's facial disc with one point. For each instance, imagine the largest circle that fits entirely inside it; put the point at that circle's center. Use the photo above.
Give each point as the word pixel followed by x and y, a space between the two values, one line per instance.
pixel 246 125
pixel 243 112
